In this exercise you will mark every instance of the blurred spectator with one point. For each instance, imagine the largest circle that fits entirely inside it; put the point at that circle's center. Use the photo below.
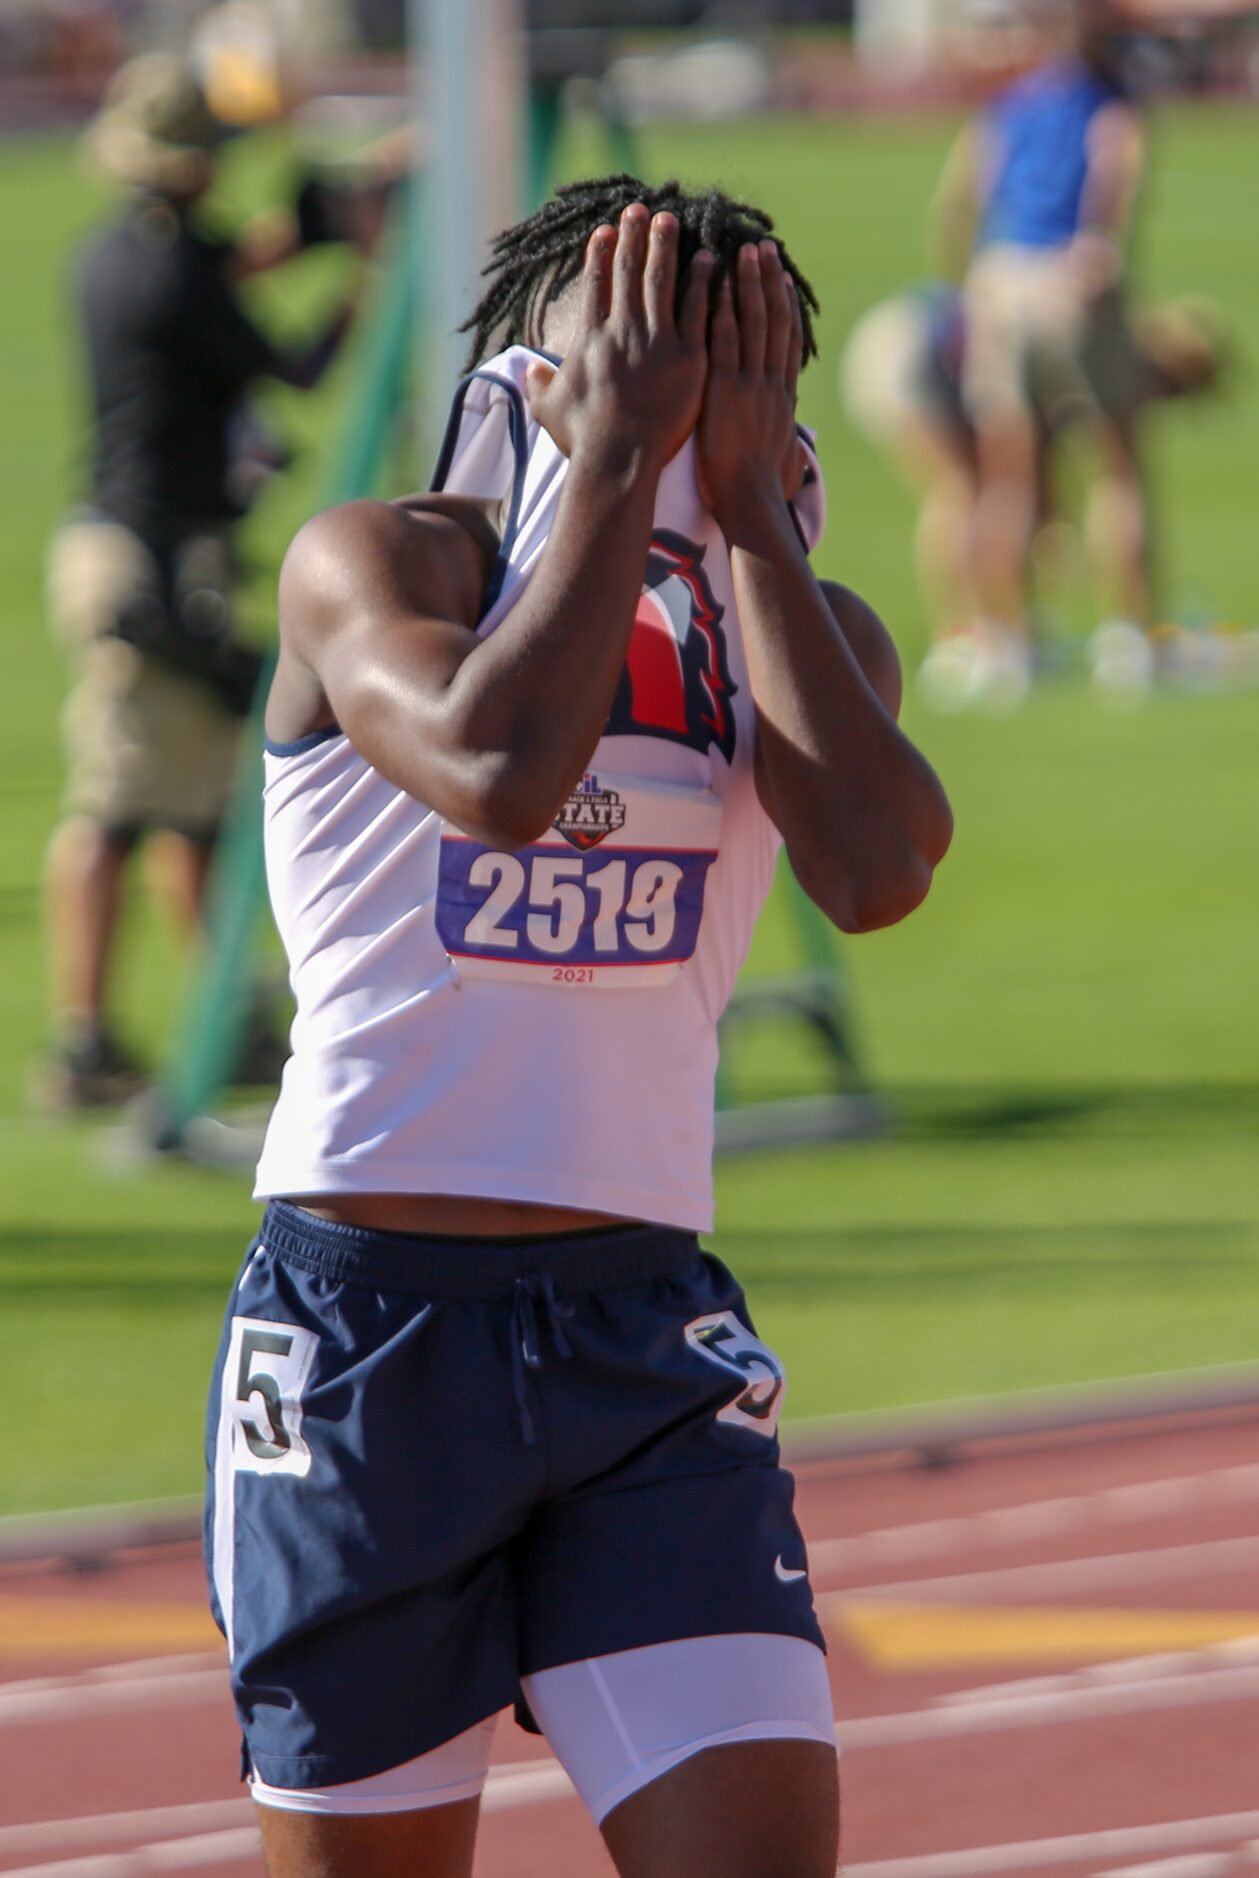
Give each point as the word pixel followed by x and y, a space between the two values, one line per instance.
pixel 900 380
pixel 140 578
pixel 1039 191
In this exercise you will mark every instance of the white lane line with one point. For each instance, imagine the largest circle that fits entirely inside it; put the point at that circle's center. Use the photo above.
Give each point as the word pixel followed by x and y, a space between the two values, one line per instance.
pixel 62 1696
pixel 529 1782
pixel 1185 1865
pixel 113 1828
pixel 1005 1706
pixel 1117 1842
pixel 1047 1709
pixel 510 1784
pixel 1151 1566
pixel 1126 1669
pixel 1143 1499
pixel 524 1783
pixel 117 1672
pixel 205 1852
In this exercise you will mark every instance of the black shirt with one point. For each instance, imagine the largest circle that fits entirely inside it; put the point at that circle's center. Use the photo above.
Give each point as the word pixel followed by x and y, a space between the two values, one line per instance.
pixel 170 353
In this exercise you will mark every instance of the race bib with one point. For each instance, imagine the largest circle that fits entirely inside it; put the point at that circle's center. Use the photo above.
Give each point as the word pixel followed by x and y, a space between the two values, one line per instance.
pixel 612 896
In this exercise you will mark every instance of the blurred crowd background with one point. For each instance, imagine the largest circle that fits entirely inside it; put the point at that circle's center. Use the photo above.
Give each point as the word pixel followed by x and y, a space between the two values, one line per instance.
pixel 1199 44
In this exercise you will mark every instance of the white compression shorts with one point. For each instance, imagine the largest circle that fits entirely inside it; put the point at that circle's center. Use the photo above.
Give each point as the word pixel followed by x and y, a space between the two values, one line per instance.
pixel 616 1723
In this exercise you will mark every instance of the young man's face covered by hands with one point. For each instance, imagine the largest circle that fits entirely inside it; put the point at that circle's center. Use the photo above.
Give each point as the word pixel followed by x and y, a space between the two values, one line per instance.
pixel 638 378
pixel 749 450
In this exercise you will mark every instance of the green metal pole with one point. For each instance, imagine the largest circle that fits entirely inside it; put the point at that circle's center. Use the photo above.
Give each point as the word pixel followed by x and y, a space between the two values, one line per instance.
pixel 544 121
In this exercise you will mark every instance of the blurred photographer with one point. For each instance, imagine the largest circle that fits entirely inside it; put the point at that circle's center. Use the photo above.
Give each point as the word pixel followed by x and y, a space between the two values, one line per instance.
pixel 140 576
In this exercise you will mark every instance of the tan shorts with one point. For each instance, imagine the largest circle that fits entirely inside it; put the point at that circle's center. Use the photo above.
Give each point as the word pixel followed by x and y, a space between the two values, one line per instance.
pixel 1032 339
pixel 885 370
pixel 146 747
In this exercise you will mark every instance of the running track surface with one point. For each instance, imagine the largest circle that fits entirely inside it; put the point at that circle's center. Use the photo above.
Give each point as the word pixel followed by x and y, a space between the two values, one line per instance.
pixel 1045 1661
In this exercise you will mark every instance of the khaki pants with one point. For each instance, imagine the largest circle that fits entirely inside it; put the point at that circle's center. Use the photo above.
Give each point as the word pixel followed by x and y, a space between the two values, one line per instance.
pixel 146 747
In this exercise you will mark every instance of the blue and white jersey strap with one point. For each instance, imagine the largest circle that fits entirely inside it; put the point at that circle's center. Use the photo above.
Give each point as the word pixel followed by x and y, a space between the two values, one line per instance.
pixel 485 452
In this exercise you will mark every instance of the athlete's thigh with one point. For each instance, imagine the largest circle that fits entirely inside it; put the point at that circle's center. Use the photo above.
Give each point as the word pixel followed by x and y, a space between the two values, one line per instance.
pixel 630 1721
pixel 750 1809
pixel 437 1842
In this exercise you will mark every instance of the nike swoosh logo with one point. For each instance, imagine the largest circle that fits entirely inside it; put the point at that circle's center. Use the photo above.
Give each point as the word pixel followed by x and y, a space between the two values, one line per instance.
pixel 784 1574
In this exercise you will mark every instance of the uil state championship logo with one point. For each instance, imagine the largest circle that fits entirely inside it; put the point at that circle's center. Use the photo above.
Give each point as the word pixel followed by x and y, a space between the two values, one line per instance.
pixel 589 814
pixel 676 683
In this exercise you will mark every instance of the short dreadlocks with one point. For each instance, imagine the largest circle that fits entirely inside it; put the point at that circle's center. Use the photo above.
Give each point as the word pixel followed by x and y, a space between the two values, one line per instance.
pixel 533 262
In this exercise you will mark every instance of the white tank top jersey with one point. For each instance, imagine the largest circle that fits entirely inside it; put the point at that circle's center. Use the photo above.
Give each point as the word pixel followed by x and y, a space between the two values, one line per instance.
pixel 536 1025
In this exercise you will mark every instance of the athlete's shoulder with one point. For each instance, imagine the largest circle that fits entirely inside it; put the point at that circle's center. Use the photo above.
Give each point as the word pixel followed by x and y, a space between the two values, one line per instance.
pixel 427 553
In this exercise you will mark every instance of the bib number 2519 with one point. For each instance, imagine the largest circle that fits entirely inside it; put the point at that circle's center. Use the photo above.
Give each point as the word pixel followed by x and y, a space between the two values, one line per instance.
pixel 547 912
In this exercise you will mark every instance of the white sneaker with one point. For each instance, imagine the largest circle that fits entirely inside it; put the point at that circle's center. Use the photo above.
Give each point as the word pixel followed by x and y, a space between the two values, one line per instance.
pixel 1007 671
pixel 984 666
pixel 1122 662
pixel 951 677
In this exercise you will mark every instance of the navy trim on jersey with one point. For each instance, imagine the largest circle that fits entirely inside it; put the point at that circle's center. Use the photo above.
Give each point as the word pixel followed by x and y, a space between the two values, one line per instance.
pixel 516 423
pixel 808 437
pixel 300 745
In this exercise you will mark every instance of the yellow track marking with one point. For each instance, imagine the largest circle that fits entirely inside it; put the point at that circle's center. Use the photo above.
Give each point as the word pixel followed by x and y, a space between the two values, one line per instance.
pixel 97 1626
pixel 944 1636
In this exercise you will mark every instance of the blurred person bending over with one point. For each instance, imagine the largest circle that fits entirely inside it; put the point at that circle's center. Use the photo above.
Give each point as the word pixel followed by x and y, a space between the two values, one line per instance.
pixel 900 386
pixel 140 578
pixel 900 380
pixel 1043 183
pixel 488 1426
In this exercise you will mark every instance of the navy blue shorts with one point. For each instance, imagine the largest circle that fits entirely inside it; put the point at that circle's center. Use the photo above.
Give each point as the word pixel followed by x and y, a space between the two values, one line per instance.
pixel 439 1465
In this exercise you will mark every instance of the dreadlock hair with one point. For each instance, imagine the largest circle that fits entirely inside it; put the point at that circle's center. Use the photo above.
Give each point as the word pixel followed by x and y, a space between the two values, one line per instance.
pixel 532 262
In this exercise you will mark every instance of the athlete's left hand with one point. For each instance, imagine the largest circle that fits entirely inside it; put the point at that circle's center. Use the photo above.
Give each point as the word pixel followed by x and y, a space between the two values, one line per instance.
pixel 749 452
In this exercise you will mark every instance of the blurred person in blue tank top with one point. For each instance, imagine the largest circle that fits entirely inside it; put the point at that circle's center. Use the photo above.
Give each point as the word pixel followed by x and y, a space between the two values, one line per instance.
pixel 1034 209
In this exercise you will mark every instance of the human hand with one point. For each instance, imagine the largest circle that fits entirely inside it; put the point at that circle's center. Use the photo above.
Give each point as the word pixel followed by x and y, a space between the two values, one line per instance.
pixel 1095 261
pixel 627 394
pixel 749 452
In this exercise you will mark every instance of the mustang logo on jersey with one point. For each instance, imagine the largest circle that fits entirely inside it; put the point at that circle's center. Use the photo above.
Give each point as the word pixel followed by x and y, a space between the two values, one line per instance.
pixel 676 683
pixel 589 814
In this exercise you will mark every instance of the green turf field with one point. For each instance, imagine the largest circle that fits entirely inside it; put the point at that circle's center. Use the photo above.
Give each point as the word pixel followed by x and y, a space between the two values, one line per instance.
pixel 1068 1029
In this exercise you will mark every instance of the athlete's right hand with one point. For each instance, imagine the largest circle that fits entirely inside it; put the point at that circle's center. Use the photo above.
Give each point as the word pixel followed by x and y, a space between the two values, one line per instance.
pixel 628 393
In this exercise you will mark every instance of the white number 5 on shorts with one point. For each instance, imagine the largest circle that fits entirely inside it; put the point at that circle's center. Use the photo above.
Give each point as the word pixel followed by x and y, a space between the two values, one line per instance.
pixel 725 1341
pixel 263 1378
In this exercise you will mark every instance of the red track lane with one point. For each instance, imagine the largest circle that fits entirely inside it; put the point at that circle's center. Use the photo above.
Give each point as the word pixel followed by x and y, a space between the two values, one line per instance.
pixel 1023 1748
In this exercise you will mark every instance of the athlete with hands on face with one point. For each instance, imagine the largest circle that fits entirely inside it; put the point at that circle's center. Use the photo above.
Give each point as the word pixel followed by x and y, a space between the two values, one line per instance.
pixel 532 743
pixel 470 726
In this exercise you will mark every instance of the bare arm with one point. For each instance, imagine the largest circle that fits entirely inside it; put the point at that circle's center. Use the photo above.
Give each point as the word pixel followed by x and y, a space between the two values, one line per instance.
pixel 494 733
pixel 954 211
pixel 1116 155
pixel 862 813
pixel 869 641
pixel 863 816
